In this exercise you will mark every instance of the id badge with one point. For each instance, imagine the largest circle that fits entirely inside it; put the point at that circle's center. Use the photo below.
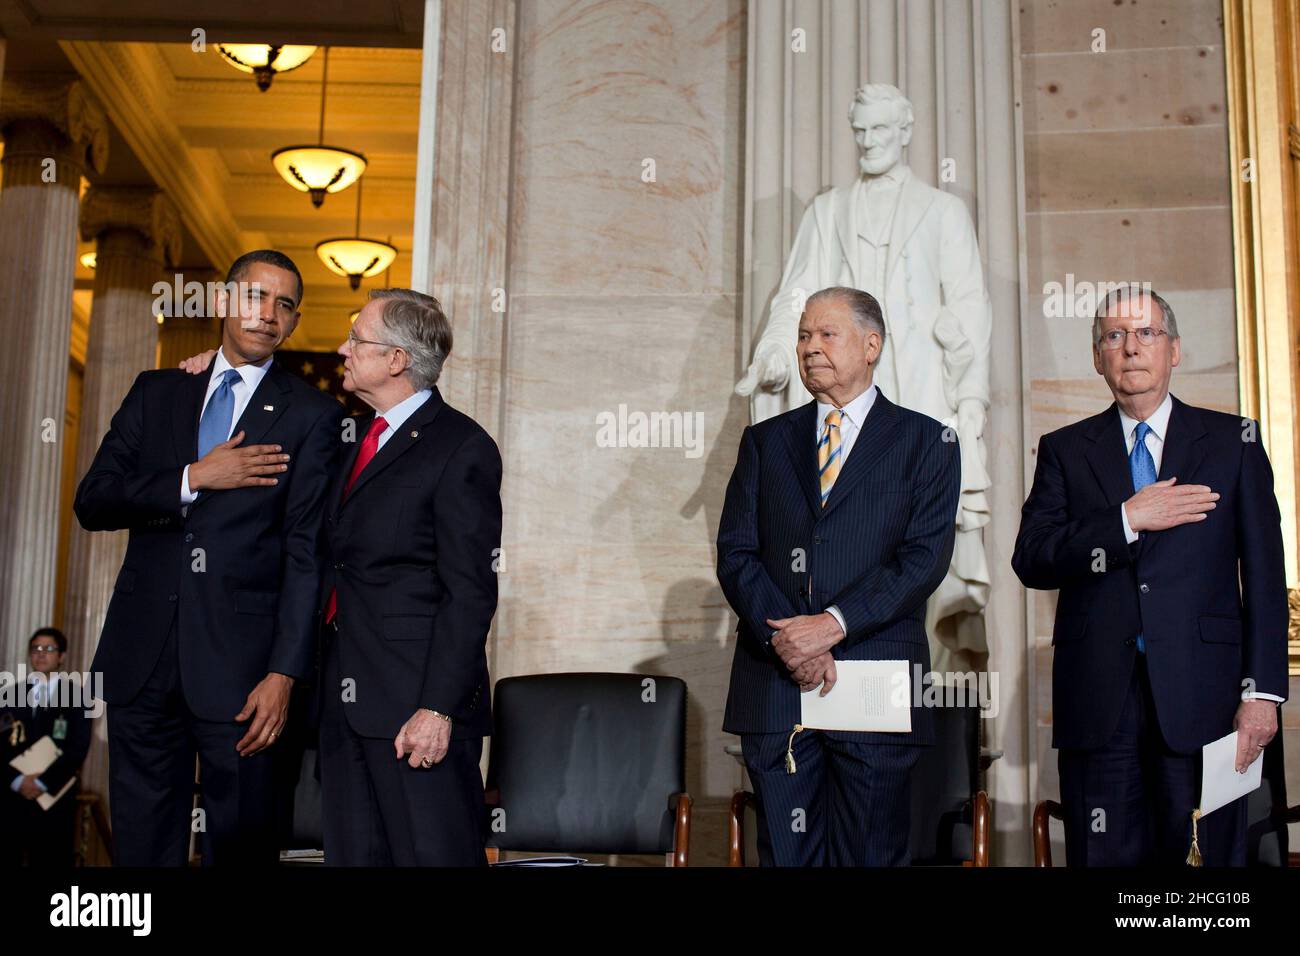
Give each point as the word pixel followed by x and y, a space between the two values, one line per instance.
pixel 60 731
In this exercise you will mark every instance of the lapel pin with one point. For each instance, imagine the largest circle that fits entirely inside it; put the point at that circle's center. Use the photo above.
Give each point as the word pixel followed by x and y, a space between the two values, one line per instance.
pixel 268 408
pixel 415 434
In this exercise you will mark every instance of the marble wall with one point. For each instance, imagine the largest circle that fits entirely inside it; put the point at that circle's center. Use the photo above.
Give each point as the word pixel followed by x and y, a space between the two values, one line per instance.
pixel 624 293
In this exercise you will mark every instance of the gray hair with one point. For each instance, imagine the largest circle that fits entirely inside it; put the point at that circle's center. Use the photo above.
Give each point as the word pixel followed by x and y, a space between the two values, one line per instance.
pixel 416 323
pixel 863 306
pixel 870 93
pixel 1120 297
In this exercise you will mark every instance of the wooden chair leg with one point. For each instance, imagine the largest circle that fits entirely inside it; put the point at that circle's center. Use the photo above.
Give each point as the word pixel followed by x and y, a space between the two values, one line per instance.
pixel 736 827
pixel 980 830
pixel 1043 812
pixel 682 831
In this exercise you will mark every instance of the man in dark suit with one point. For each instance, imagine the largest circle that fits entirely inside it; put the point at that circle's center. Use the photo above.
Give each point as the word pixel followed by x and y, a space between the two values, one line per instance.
pixel 221 479
pixel 1157 522
pixel 414 535
pixel 56 708
pixel 838 525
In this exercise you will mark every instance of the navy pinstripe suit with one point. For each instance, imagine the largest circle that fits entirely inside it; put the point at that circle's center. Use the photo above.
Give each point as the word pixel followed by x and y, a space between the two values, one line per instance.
pixel 877 551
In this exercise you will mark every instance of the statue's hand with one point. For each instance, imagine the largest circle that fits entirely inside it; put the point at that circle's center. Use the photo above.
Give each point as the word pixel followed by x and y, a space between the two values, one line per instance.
pixel 971 416
pixel 769 371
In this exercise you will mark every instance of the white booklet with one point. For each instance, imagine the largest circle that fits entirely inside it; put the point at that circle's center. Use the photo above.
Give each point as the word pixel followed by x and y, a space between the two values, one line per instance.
pixel 1220 782
pixel 867 696
pixel 35 760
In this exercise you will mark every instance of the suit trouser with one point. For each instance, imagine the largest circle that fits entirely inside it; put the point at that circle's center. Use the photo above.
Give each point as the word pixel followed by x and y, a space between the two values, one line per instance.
pixel 1130 802
pixel 152 743
pixel 380 811
pixel 45 837
pixel 848 804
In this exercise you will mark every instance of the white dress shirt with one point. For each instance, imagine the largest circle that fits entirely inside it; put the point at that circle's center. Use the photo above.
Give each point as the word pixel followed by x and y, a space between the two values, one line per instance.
pixel 1159 422
pixel 851 419
pixel 399 413
pixel 250 376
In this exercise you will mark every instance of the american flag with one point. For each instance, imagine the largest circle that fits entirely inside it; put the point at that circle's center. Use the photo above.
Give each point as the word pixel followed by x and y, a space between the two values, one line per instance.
pixel 323 370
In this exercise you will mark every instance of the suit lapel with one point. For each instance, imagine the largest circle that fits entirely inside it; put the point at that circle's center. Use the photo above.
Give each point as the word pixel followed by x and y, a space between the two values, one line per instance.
pixel 875 437
pixel 402 440
pixel 846 224
pixel 1108 457
pixel 349 459
pixel 1183 453
pixel 185 416
pixel 1184 449
pixel 801 444
pixel 268 402
pixel 913 203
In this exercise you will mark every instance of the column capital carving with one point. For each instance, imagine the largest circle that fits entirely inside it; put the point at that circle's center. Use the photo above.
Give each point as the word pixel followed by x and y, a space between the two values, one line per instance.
pixel 144 209
pixel 65 103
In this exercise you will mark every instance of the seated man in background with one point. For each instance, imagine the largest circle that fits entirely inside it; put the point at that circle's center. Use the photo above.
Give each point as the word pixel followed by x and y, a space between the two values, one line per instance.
pixel 45 707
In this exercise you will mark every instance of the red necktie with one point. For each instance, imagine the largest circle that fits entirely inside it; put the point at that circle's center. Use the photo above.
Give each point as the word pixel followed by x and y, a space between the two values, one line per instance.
pixel 369 445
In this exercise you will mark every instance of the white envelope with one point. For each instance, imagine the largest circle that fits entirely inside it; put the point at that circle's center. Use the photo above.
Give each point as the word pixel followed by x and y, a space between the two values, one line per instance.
pixel 867 696
pixel 1220 782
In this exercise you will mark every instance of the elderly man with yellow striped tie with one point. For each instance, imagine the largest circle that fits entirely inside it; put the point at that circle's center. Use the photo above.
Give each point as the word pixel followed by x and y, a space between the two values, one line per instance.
pixel 838 525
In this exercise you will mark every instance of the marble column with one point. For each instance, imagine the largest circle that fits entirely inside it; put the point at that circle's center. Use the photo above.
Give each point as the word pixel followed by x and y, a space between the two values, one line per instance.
pixel 954 59
pixel 466 261
pixel 53 132
pixel 136 233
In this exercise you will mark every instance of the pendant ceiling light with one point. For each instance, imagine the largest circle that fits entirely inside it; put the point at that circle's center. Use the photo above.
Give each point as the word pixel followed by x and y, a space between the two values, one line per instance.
pixel 319 169
pixel 356 258
pixel 264 60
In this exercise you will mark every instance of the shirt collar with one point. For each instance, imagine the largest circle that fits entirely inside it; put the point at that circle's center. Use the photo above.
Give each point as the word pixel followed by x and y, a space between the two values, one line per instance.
pixel 855 411
pixel 404 409
pixel 250 374
pixel 1158 420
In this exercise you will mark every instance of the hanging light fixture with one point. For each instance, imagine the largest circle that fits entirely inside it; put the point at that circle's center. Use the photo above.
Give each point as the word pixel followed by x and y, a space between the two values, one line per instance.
pixel 319 169
pixel 88 259
pixel 264 60
pixel 356 258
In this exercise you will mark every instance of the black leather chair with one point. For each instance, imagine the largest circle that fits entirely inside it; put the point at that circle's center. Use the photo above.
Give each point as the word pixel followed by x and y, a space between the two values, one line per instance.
pixel 589 763
pixel 1267 816
pixel 950 814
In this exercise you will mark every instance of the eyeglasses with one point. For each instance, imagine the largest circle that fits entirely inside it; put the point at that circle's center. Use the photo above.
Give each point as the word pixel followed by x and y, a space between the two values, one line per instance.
pixel 1115 338
pixel 353 342
pixel 45 648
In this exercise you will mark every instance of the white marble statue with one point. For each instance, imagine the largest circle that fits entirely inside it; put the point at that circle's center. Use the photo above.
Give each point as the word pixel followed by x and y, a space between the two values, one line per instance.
pixel 913 247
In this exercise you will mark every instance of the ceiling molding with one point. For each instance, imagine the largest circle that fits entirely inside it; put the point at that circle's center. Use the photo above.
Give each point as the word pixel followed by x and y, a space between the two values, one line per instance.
pixel 135 90
pixel 394 23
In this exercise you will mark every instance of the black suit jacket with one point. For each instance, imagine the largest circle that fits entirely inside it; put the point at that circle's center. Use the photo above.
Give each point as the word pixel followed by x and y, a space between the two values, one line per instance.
pixel 240 573
pixel 877 551
pixel 413 552
pixel 75 743
pixel 1209 598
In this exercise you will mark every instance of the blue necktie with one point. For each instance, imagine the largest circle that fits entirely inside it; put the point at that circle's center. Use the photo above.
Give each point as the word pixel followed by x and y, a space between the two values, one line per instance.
pixel 1143 469
pixel 214 426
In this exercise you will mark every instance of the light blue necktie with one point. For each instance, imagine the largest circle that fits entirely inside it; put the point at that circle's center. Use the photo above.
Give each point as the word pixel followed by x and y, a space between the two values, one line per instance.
pixel 1143 469
pixel 214 426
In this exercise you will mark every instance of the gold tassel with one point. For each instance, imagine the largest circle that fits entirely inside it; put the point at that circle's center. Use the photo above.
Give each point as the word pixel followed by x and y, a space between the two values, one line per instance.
pixel 1194 854
pixel 789 750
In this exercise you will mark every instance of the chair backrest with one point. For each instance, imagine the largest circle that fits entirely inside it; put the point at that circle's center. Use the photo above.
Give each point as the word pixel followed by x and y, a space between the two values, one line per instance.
pixel 587 762
pixel 943 782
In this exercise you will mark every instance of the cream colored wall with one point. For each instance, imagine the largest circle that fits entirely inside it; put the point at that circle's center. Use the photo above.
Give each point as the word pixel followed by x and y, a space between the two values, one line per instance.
pixel 624 292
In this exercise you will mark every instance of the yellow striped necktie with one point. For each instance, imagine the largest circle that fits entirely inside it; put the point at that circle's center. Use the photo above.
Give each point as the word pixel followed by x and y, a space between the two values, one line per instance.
pixel 828 453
